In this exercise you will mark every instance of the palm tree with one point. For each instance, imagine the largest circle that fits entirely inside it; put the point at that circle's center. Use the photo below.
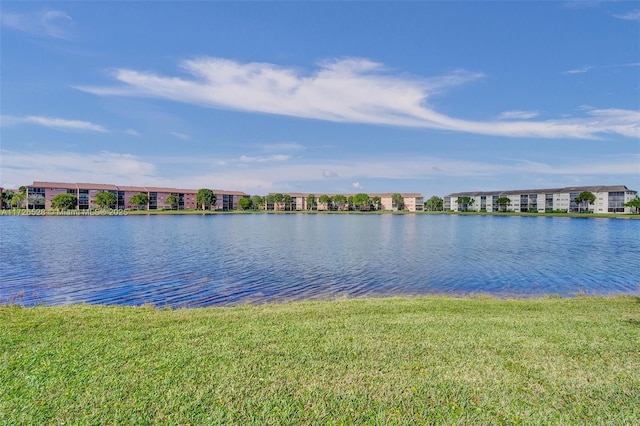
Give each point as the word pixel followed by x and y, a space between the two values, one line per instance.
pixel 277 199
pixel 287 201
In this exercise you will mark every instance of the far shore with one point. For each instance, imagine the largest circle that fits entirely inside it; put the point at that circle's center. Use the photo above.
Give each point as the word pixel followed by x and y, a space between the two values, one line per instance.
pixel 114 212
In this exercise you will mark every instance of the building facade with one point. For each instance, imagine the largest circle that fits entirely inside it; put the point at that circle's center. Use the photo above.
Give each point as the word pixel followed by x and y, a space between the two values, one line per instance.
pixel 40 194
pixel 412 201
pixel 609 199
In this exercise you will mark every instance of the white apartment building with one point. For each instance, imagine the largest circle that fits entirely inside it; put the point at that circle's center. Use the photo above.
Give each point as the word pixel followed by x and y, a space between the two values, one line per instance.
pixel 609 199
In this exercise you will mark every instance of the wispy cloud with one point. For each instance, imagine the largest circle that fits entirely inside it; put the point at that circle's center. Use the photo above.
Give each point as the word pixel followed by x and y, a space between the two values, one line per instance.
pixel 45 23
pixel 633 15
pixel 51 122
pixel 347 90
pixel 196 172
pixel 283 147
pixel 588 68
pixel 107 167
pixel 270 158
pixel 132 132
pixel 179 135
pixel 518 115
pixel 356 185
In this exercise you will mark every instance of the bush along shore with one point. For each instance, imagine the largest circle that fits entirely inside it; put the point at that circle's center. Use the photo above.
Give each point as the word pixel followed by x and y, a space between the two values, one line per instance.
pixel 427 360
pixel 120 212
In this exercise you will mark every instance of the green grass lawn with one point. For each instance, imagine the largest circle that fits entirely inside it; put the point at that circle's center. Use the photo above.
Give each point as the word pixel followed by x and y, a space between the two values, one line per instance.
pixel 434 360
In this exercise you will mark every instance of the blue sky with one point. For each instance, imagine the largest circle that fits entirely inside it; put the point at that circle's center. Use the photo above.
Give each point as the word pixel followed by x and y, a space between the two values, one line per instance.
pixel 323 97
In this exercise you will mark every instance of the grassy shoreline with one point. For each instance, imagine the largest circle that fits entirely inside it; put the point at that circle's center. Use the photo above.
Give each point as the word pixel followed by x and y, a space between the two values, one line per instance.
pixel 85 213
pixel 426 360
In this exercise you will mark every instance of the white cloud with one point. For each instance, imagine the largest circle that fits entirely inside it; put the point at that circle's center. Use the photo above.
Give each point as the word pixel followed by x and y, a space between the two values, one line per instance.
pixel 518 115
pixel 588 68
pixel 132 132
pixel 46 23
pixel 347 90
pixel 285 146
pixel 179 135
pixel 329 174
pixel 633 15
pixel 102 167
pixel 270 158
pixel 581 70
pixel 266 176
pixel 52 122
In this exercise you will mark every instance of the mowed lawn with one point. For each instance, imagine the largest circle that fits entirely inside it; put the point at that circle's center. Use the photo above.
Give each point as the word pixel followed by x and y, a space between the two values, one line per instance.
pixel 431 360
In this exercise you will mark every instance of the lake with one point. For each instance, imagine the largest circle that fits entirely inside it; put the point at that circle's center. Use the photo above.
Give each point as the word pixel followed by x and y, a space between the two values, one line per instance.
pixel 193 260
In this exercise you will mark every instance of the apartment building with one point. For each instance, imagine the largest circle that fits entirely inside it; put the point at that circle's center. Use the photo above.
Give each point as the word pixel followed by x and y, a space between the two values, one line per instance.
pixel 412 201
pixel 609 199
pixel 39 195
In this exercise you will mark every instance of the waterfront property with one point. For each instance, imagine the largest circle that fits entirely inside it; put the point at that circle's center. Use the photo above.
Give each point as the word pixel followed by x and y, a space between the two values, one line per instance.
pixel 299 201
pixel 608 199
pixel 39 196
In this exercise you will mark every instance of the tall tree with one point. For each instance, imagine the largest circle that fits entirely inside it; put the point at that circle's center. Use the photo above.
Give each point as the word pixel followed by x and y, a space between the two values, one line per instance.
pixel 64 201
pixel 340 201
pixel 434 204
pixel 269 199
pixel 325 200
pixel 244 203
pixel 311 202
pixel 377 202
pixel 585 197
pixel 257 202
pixel 6 198
pixel 106 199
pixel 465 202
pixel 18 199
pixel 173 200
pixel 350 204
pixel 277 201
pixel 635 203
pixel 141 200
pixel 287 201
pixel 362 201
pixel 503 202
pixel 35 200
pixel 397 201
pixel 206 198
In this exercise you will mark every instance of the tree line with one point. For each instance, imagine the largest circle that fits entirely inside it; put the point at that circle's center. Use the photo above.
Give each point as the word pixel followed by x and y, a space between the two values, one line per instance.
pixel 206 199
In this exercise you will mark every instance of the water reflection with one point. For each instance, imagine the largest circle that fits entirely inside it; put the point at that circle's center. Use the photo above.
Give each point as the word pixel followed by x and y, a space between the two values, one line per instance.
pixel 227 259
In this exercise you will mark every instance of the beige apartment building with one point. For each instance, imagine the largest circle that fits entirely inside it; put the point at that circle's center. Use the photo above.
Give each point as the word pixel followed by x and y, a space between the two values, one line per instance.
pixel 412 201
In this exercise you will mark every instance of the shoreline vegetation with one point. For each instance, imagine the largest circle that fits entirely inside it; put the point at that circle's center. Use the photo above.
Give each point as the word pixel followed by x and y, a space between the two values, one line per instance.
pixel 399 360
pixel 115 212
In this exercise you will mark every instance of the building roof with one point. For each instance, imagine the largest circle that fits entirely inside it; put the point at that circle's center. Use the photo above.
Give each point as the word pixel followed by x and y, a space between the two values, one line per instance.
pixel 63 185
pixel 171 190
pixel 109 187
pixel 225 192
pixel 568 189
pixel 97 186
pixel 132 188
pixel 389 194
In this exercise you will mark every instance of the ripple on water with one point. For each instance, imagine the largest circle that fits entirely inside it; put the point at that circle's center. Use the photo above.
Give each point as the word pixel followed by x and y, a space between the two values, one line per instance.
pixel 220 260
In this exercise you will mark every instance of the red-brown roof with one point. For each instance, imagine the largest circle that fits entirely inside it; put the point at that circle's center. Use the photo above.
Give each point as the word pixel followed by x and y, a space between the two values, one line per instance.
pixel 64 185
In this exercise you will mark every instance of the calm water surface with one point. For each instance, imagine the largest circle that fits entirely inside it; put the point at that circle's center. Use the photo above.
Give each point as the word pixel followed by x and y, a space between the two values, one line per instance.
pixel 228 259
